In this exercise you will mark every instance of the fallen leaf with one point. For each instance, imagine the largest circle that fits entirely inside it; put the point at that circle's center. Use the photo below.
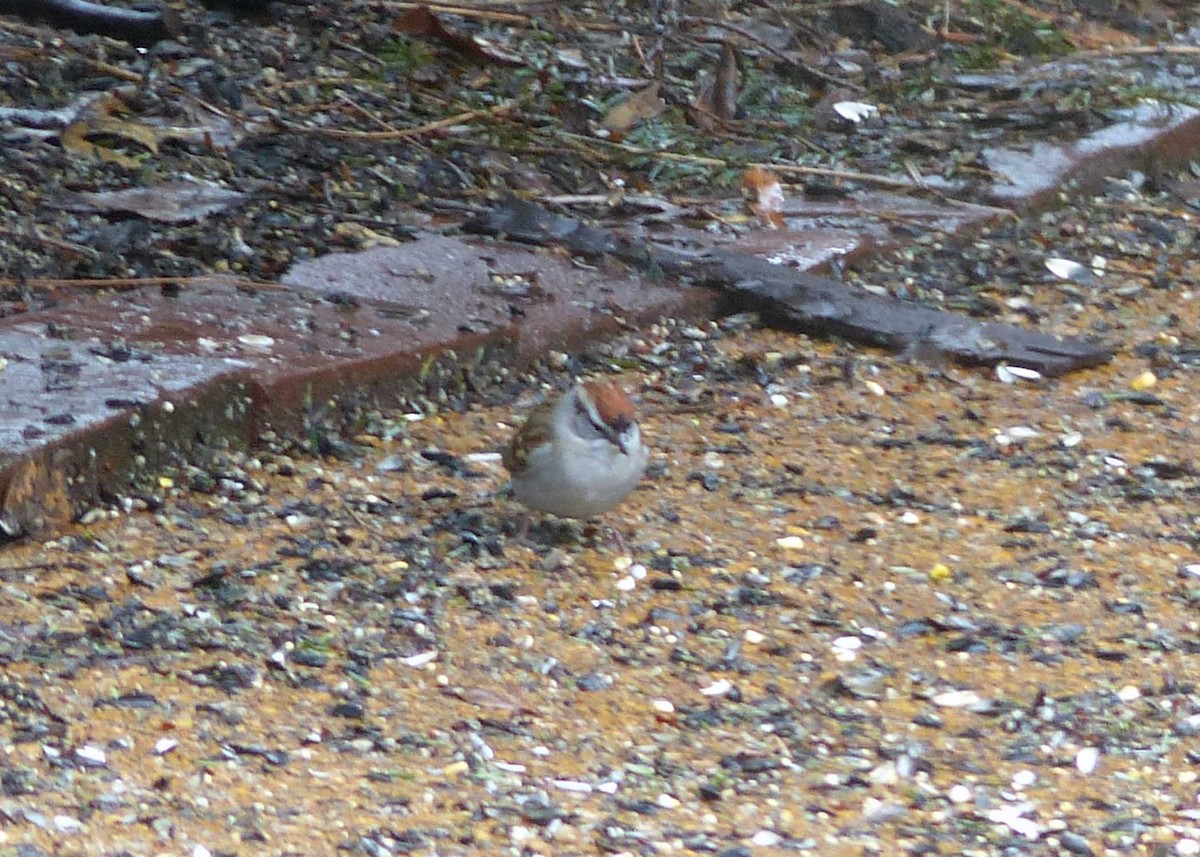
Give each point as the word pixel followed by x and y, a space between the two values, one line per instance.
pixel 77 139
pixel 641 105
pixel 716 95
pixel 170 202
pixel 420 21
pixel 725 91
pixel 767 193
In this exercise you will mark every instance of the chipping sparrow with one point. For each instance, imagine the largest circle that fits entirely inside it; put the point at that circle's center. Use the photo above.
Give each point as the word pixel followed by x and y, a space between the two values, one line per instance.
pixel 579 456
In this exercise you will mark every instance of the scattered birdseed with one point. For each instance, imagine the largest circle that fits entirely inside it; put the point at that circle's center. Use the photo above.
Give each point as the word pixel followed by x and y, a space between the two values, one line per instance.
pixel 421 659
pixel 1011 374
pixel 1144 381
pixel 1023 779
pixel 67 824
pixel 257 341
pixel 481 457
pixel 573 786
pixel 957 699
pixel 720 687
pixel 1072 439
pixel 91 755
pixel 765 839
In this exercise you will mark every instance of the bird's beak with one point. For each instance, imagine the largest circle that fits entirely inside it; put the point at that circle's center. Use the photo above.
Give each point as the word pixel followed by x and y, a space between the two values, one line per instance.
pixel 617 440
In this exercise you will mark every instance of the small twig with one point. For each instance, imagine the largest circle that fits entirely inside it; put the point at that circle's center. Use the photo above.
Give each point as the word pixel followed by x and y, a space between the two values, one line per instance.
pixel 346 99
pixel 848 175
pixel 775 52
pixel 400 134
pixel 137 282
pixel 1140 50
pixel 466 11
pixel 582 141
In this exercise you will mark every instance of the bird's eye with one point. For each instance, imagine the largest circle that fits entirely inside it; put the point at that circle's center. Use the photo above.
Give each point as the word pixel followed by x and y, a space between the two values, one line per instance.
pixel 587 428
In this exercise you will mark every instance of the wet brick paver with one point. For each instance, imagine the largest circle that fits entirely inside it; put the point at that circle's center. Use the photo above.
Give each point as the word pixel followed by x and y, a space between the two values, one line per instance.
pixel 105 392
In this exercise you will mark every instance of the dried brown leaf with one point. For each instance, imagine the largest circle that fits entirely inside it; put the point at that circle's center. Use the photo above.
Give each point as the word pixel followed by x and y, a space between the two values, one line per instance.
pixel 77 139
pixel 725 89
pixel 641 105
pixel 420 21
pixel 767 195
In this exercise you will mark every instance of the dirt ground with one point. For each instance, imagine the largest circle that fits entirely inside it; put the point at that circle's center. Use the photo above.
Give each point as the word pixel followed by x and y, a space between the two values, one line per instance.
pixel 869 604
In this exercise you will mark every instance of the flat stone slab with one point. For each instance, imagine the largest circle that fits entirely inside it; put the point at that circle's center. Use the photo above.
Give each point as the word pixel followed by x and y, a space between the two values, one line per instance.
pixel 108 392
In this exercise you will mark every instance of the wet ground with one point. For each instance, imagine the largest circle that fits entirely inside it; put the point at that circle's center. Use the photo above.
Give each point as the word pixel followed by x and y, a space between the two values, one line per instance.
pixel 868 603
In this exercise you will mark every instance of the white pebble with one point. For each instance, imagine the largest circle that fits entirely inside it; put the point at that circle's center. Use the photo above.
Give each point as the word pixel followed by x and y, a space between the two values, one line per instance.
pixel 790 542
pixel 1021 433
pixel 67 824
pixel 959 794
pixel 1128 693
pixel 92 755
pixel 957 699
pixel 573 786
pixel 663 706
pixel 667 801
pixel 257 341
pixel 720 687
pixel 1087 759
pixel 421 659
pixel 753 637
pixel 766 839
pixel 626 584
